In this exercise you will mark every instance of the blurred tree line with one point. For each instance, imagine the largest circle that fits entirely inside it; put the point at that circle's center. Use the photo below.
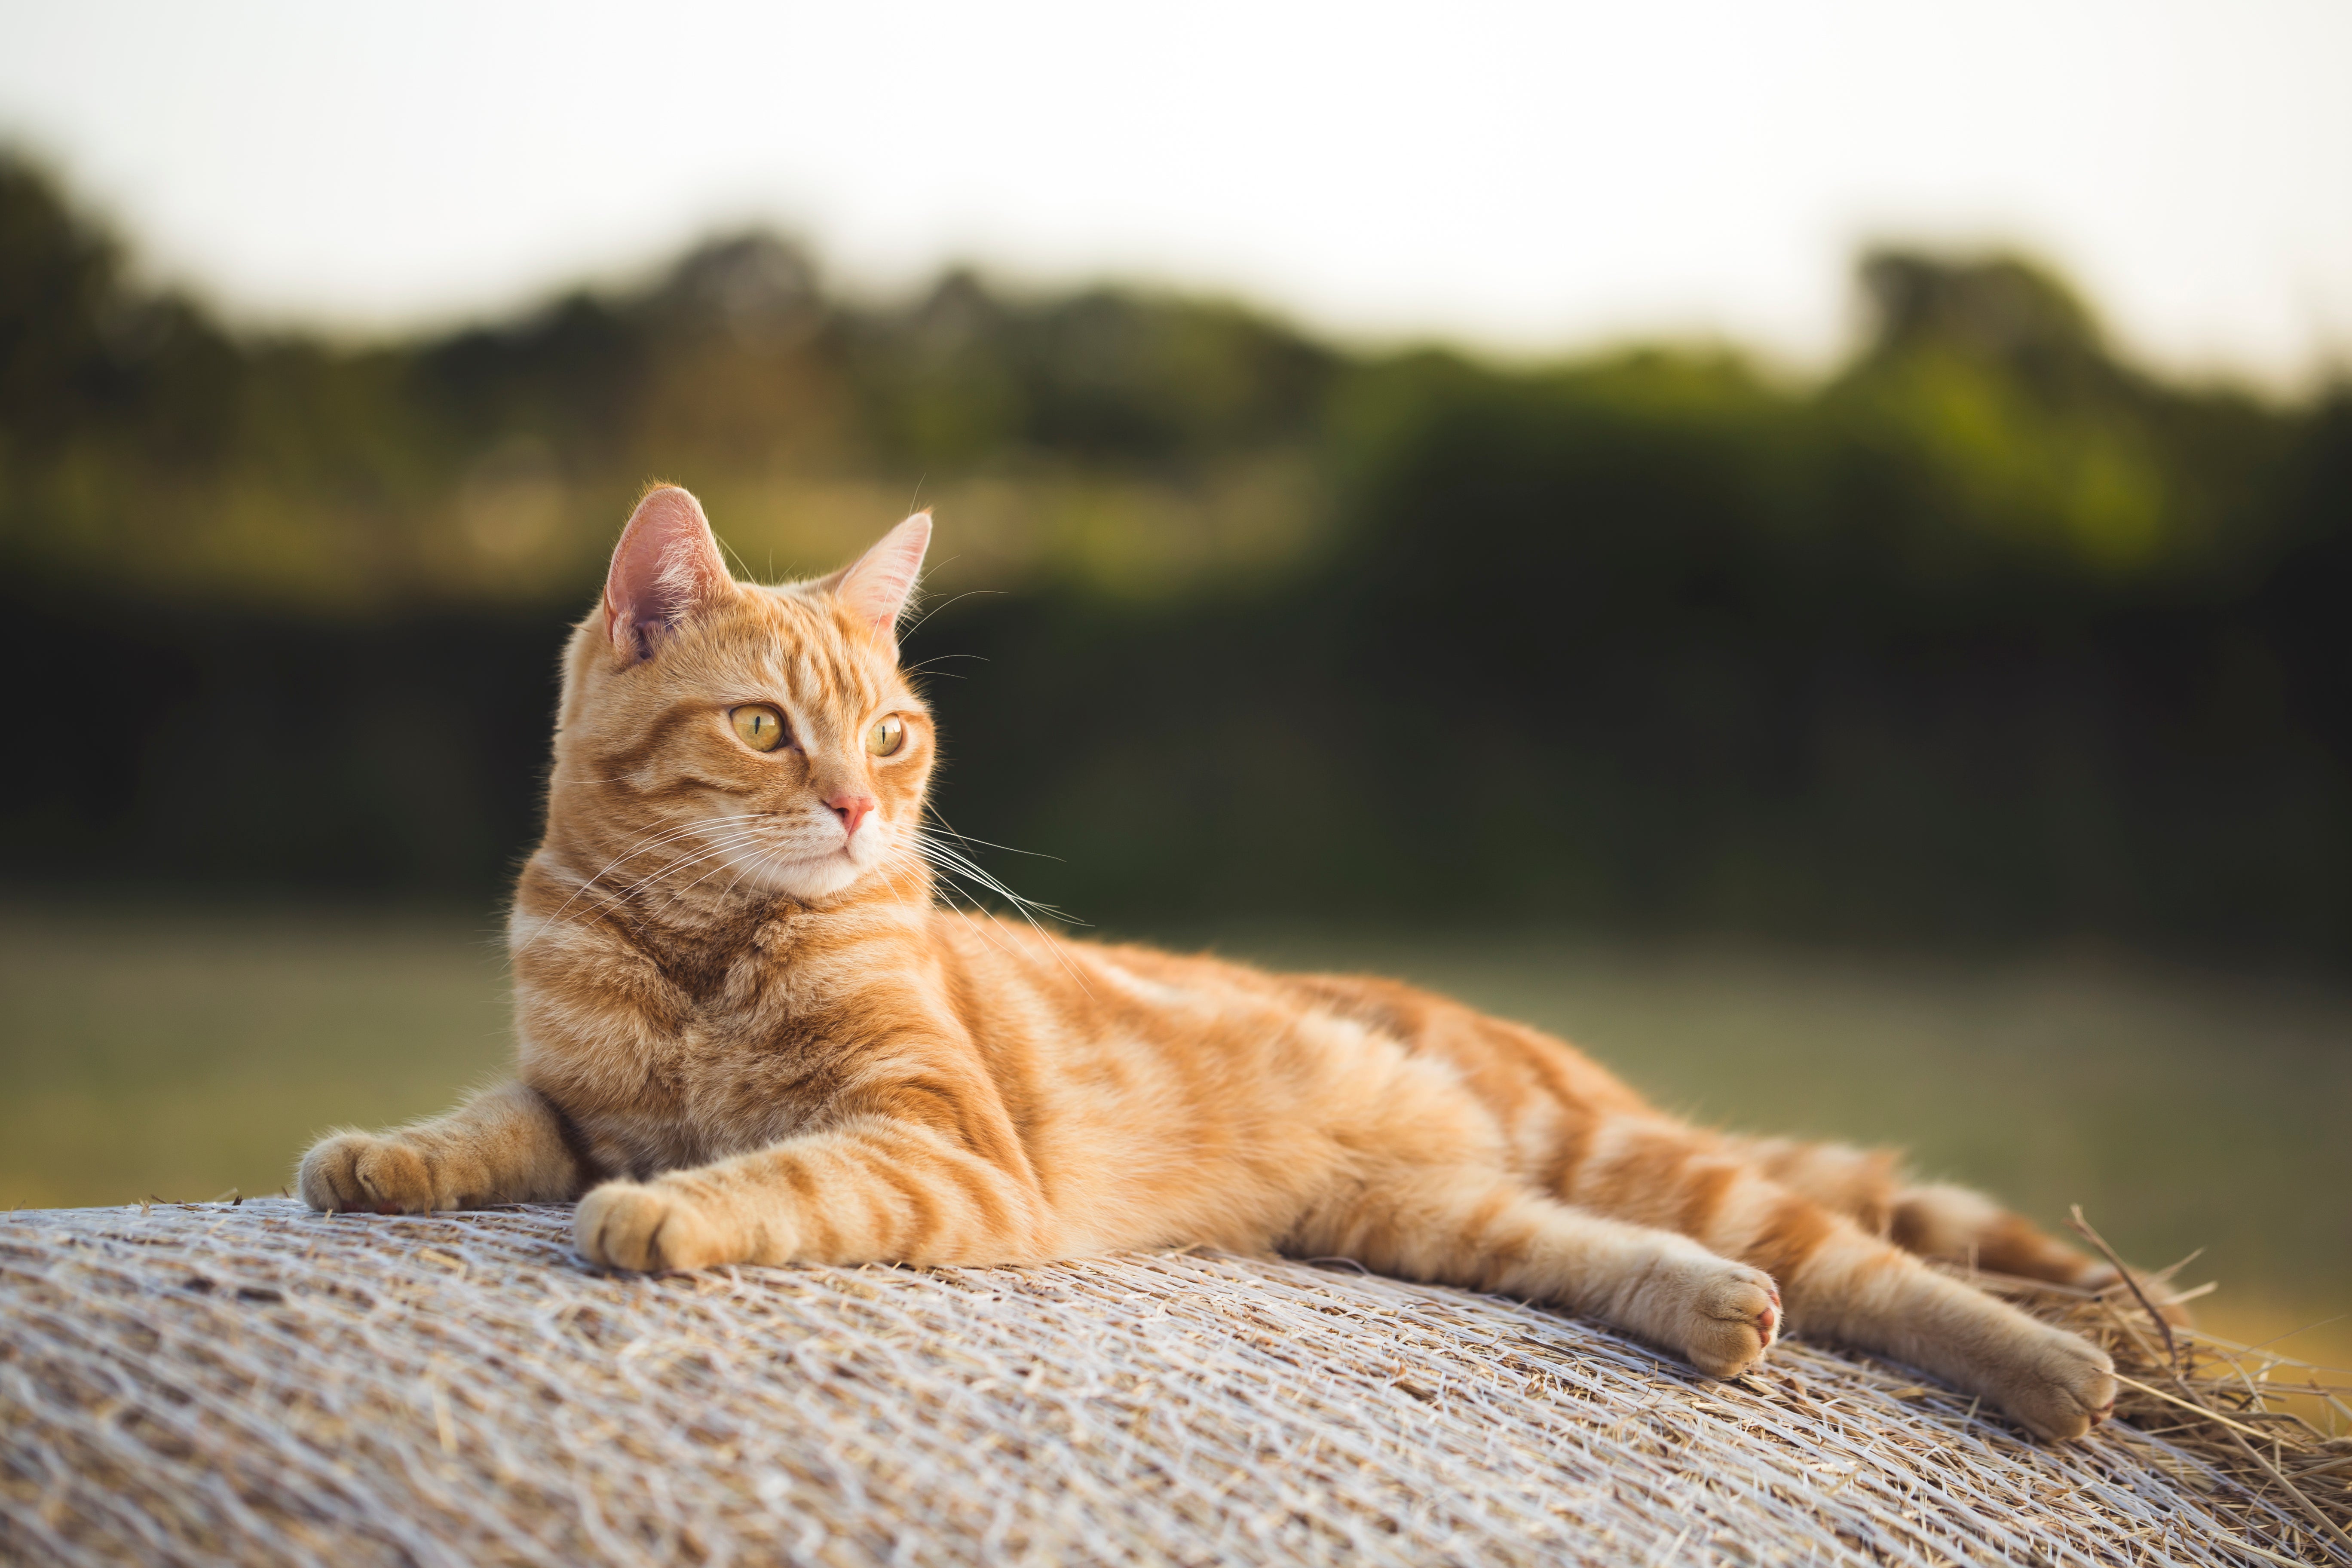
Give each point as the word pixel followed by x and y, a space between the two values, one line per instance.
pixel 1989 637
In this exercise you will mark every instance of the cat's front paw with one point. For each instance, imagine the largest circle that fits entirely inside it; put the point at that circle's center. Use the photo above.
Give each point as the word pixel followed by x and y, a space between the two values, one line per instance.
pixel 2056 1383
pixel 1723 1315
pixel 367 1173
pixel 649 1226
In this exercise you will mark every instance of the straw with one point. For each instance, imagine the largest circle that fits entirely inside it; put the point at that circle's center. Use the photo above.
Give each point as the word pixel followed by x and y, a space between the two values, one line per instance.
pixel 257 1383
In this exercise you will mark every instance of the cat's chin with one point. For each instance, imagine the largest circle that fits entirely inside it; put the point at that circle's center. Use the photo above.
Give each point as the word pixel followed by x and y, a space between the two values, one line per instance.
pixel 816 877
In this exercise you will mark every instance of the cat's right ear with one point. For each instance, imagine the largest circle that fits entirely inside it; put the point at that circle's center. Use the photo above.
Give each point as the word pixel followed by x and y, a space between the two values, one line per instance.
pixel 665 568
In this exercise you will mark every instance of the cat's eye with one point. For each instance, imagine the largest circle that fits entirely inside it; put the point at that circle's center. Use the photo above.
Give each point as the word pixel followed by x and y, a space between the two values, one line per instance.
pixel 887 736
pixel 761 729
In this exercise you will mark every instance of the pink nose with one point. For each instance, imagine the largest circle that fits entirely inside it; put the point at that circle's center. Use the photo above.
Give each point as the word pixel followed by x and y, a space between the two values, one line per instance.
pixel 851 809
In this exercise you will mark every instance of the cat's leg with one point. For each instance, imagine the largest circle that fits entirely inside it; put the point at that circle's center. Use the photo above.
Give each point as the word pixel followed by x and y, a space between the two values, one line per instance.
pixel 506 1145
pixel 1475 1227
pixel 874 1190
pixel 1841 1281
pixel 1954 1224
pixel 1948 1224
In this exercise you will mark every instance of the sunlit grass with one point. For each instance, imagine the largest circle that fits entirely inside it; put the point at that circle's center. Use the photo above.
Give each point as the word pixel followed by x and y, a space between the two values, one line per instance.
pixel 180 1054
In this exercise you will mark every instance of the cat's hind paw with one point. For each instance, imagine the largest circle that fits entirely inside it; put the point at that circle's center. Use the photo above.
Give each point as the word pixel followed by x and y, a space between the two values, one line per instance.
pixel 2055 1383
pixel 365 1174
pixel 1725 1317
pixel 649 1227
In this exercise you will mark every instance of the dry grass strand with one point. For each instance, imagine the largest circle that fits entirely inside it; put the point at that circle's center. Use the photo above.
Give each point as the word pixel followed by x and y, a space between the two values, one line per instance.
pixel 252 1382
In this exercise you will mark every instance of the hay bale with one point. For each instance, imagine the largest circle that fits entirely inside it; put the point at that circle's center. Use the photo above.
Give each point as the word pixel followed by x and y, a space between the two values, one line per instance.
pixel 259 1383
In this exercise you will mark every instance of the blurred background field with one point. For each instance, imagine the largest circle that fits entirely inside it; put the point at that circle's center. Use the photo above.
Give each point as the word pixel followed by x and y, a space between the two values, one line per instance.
pixel 180 1054
pixel 1942 737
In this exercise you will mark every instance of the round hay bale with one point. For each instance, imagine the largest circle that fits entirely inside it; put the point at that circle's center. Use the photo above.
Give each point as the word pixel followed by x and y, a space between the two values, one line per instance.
pixel 187 1383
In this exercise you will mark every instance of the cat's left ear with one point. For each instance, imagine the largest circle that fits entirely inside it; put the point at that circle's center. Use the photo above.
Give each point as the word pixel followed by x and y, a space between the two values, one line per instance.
pixel 665 570
pixel 876 588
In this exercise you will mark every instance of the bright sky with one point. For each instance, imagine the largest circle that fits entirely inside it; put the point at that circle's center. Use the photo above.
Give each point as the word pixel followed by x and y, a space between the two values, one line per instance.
pixel 1527 176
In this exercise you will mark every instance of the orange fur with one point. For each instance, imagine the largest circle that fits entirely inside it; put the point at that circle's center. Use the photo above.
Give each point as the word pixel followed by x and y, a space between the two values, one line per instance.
pixel 750 1032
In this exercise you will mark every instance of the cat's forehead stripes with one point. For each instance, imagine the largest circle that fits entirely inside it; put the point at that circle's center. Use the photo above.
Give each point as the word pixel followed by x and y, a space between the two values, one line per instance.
pixel 802 654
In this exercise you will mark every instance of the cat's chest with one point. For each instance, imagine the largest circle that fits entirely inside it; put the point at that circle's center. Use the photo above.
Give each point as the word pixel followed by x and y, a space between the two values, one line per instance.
pixel 749 1011
pixel 754 1054
pixel 723 1082
pixel 734 984
pixel 729 1047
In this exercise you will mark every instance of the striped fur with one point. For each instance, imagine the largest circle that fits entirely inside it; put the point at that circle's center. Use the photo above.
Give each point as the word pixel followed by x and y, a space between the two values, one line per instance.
pixel 750 1031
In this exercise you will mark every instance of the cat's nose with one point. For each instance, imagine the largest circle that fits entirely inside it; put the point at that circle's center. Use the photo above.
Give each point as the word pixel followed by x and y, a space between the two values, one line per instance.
pixel 851 809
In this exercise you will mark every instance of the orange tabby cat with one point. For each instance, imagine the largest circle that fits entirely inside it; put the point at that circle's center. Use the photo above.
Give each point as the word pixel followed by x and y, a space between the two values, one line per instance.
pixel 749 1033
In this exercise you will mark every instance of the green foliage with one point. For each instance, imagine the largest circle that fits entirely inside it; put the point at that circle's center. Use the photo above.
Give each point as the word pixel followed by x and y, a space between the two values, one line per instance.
pixel 1988 636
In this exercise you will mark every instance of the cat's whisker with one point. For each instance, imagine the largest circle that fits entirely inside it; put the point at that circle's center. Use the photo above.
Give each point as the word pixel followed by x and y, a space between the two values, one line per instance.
pixel 645 843
pixel 678 863
pixel 723 863
pixel 982 920
pixel 954 863
pixel 947 860
pixel 717 846
pixel 958 865
pixel 919 669
pixel 903 854
pixel 972 869
pixel 924 835
pixel 660 839
pixel 744 870
pixel 760 862
pixel 943 603
pixel 953 876
pixel 933 813
pixel 931 874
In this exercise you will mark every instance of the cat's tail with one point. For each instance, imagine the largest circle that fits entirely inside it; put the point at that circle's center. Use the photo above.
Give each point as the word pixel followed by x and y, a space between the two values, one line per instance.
pixel 1935 1220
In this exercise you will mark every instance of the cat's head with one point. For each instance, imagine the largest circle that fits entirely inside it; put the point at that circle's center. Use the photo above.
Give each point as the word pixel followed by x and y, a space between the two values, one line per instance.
pixel 763 738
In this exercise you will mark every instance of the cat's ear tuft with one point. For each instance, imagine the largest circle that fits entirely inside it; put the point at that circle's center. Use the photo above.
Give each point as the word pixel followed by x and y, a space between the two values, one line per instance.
pixel 876 588
pixel 665 570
